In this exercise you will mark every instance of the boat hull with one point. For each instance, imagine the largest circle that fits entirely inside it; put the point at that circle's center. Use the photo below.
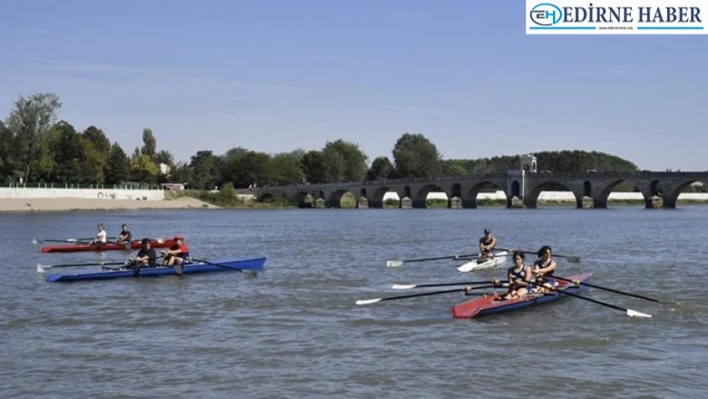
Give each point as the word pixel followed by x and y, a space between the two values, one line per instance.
pixel 475 264
pixel 227 265
pixel 134 245
pixel 491 305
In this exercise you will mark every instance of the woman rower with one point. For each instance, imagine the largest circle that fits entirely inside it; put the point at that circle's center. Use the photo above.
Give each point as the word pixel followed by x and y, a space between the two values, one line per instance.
pixel 543 269
pixel 518 277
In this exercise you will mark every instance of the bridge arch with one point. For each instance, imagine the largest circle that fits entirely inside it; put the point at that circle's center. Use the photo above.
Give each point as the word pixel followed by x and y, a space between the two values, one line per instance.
pixel 671 197
pixel 301 199
pixel 376 199
pixel 531 197
pixel 265 197
pixel 335 198
pixel 587 189
pixel 601 197
pixel 421 196
pixel 469 198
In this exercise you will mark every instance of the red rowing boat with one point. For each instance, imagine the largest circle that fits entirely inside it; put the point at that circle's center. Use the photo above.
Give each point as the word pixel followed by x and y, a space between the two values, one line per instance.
pixel 493 303
pixel 84 247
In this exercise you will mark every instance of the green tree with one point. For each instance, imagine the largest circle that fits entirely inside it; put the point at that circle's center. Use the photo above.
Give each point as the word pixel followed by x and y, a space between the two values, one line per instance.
pixel 415 156
pixel 205 168
pixel 454 167
pixel 66 147
pixel 314 167
pixel 143 169
pixel 118 167
pixel 149 147
pixel 29 121
pixel 285 168
pixel 346 161
pixel 248 168
pixel 381 168
pixel 8 154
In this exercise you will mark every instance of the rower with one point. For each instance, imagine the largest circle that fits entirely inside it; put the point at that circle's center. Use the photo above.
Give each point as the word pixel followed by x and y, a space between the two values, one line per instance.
pixel 146 256
pixel 125 235
pixel 518 277
pixel 177 254
pixel 543 268
pixel 486 244
pixel 100 236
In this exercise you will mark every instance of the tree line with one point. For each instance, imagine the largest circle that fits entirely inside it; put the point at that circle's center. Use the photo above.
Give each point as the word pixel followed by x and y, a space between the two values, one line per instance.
pixel 35 147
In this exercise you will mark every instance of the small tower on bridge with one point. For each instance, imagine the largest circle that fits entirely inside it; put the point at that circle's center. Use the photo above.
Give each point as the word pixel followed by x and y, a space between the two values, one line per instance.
pixel 528 163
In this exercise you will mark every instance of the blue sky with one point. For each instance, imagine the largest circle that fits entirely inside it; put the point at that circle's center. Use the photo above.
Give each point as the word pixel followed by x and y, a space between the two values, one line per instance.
pixel 277 75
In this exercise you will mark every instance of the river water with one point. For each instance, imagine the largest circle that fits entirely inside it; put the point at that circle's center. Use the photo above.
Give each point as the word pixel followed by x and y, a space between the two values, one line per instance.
pixel 294 330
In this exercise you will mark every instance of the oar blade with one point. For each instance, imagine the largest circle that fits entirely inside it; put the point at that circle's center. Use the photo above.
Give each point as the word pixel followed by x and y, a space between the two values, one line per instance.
pixel 573 259
pixel 368 301
pixel 40 267
pixel 403 286
pixel 394 263
pixel 34 241
pixel 634 313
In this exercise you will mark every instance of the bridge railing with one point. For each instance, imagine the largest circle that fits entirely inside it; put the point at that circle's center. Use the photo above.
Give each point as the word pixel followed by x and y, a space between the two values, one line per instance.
pixel 564 175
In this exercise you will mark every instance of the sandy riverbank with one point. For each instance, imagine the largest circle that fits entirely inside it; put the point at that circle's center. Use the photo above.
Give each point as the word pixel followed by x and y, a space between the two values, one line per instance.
pixel 81 204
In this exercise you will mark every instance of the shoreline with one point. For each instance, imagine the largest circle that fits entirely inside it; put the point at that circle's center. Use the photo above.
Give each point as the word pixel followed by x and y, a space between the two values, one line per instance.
pixel 28 205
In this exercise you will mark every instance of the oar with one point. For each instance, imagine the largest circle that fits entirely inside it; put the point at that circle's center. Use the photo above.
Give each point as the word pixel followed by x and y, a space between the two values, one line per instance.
pixel 392 298
pixel 410 286
pixel 41 268
pixel 569 258
pixel 250 273
pixel 398 262
pixel 628 312
pixel 71 240
pixel 607 289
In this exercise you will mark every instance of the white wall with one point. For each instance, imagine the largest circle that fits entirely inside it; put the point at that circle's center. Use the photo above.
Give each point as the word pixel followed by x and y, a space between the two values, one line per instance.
pixel 558 196
pixel 90 193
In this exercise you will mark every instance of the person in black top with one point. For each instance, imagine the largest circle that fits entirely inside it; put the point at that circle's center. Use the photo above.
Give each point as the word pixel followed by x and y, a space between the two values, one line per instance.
pixel 146 256
pixel 125 235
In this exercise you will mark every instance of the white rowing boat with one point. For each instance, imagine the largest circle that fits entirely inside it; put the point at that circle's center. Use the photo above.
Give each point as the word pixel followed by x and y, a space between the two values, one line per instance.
pixel 480 263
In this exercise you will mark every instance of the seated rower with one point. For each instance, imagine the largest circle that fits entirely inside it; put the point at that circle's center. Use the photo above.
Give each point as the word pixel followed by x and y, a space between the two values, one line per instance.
pixel 518 277
pixel 486 245
pixel 178 253
pixel 100 236
pixel 146 256
pixel 543 269
pixel 125 236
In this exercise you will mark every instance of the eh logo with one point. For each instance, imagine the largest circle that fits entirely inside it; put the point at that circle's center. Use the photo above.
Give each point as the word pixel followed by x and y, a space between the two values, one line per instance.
pixel 546 14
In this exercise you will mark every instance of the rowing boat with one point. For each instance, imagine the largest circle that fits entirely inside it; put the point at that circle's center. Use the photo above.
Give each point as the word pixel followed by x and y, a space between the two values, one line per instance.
pixel 216 265
pixel 492 304
pixel 483 263
pixel 85 247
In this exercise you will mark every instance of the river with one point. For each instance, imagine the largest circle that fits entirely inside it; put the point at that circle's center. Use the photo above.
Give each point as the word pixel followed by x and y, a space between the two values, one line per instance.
pixel 294 330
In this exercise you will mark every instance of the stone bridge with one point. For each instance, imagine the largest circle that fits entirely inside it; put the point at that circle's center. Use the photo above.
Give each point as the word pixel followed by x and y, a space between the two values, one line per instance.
pixel 591 189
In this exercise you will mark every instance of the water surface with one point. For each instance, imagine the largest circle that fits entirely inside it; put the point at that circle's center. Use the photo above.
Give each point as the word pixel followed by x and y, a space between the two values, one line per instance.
pixel 294 331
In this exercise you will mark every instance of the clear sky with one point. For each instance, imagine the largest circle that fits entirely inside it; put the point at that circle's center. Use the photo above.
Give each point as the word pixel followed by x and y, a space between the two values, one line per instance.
pixel 276 75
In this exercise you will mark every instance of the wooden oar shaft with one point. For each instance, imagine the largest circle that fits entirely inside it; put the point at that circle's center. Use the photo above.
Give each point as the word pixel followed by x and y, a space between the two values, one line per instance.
pixel 609 289
pixel 461 283
pixel 84 264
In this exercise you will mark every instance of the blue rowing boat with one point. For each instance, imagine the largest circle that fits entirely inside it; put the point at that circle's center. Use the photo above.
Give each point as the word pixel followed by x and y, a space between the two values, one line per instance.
pixel 216 265
pixel 493 304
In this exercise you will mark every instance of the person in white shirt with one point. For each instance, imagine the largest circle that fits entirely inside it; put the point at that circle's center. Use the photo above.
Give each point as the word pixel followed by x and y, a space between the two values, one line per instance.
pixel 100 236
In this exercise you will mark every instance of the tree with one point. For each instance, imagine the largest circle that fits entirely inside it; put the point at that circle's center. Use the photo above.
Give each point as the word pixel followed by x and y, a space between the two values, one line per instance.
pixel 118 167
pixel 246 169
pixel 205 167
pixel 29 121
pixel 285 168
pixel 149 144
pixel 454 167
pixel 313 165
pixel 346 161
pixel 98 140
pixel 415 156
pixel 66 147
pixel 143 168
pixel 381 168
pixel 8 154
pixel 165 157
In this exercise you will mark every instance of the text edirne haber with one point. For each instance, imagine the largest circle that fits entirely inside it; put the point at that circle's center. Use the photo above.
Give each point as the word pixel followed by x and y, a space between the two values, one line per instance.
pixel 626 14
